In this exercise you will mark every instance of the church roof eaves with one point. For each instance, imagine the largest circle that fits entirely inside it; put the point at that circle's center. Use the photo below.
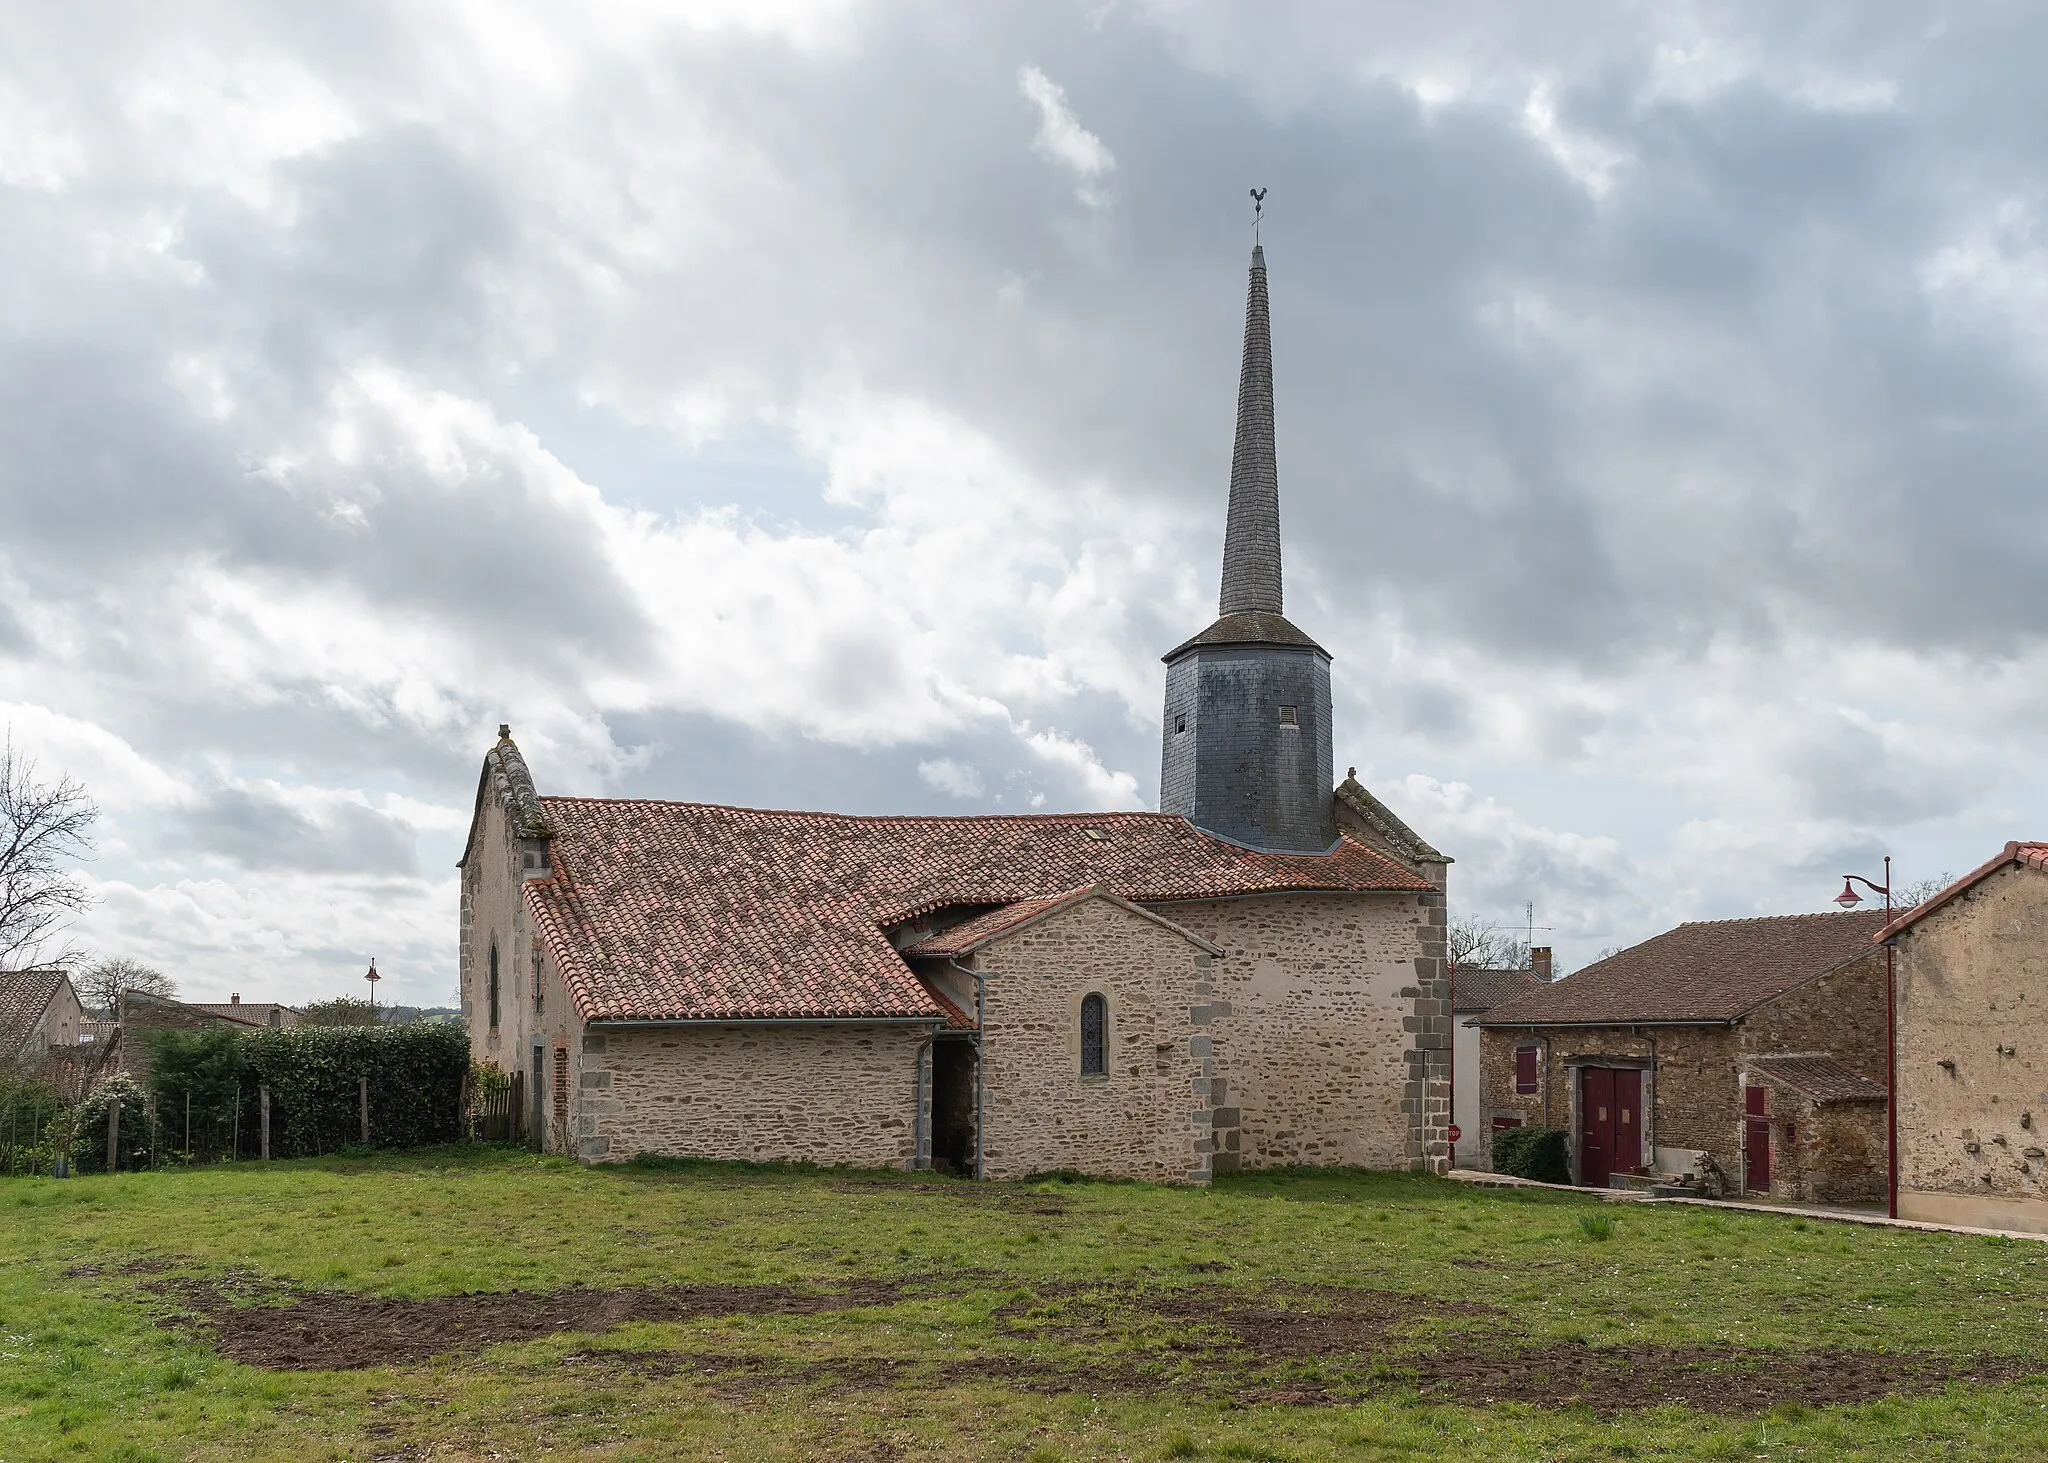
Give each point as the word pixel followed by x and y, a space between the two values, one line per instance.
pixel 1248 627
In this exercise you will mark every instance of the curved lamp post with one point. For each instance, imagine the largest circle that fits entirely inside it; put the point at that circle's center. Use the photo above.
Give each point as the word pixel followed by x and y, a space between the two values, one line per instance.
pixel 1849 899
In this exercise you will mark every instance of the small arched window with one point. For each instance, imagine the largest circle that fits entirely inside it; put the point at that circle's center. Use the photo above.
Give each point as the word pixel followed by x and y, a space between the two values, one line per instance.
pixel 494 985
pixel 1094 1036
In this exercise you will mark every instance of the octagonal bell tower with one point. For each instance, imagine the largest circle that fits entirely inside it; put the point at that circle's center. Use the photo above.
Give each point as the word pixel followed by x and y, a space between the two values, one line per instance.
pixel 1246 752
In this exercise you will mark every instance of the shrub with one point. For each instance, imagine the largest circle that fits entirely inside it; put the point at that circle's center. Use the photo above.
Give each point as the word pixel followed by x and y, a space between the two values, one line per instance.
pixel 1532 1153
pixel 89 1127
pixel 415 1073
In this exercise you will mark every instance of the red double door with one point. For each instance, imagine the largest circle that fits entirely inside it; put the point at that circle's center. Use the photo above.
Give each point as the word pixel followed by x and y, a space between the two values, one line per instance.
pixel 1610 1123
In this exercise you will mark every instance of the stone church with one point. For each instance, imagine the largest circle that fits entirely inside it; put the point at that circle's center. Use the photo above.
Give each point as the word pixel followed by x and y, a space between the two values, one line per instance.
pixel 1251 976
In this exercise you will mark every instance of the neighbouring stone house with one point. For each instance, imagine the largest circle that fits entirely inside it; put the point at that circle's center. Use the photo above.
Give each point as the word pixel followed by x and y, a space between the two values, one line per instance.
pixel 1253 975
pixel 39 1011
pixel 1971 993
pixel 1476 990
pixel 139 1012
pixel 1758 1042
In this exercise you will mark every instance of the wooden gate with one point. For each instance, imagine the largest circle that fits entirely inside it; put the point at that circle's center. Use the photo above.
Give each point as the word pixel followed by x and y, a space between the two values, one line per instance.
pixel 1610 1123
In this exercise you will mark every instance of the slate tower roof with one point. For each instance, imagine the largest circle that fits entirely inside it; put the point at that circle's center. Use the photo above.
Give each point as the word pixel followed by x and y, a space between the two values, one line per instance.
pixel 1247 741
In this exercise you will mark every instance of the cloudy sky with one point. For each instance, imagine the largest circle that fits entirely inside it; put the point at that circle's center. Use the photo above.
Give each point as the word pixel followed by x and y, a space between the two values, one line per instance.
pixel 829 405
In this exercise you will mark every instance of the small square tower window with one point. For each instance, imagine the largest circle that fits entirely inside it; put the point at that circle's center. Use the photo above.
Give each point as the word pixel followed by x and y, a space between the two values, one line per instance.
pixel 1180 724
pixel 1290 716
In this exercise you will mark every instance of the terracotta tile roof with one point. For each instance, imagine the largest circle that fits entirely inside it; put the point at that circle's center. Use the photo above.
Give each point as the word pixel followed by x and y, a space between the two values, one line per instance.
pixel 255 1013
pixel 680 911
pixel 24 996
pixel 1821 1078
pixel 1708 970
pixel 1481 988
pixel 972 934
pixel 2023 855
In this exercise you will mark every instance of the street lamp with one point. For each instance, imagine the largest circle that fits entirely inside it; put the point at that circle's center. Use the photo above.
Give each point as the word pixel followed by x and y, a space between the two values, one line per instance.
pixel 1849 899
pixel 372 977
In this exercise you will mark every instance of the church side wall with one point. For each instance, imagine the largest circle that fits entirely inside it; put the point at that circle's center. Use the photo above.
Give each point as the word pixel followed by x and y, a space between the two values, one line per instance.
pixel 1147 1116
pixel 1972 985
pixel 1319 996
pixel 809 1094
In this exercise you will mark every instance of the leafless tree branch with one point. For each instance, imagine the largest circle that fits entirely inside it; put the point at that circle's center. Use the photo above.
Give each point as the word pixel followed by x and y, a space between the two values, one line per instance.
pixel 45 829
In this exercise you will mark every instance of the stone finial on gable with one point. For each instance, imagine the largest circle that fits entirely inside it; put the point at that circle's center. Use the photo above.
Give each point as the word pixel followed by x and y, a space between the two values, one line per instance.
pixel 1376 825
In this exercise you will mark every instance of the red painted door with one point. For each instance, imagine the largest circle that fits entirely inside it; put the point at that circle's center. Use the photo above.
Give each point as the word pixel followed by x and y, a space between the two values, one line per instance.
pixel 1596 1125
pixel 1625 1153
pixel 1756 1146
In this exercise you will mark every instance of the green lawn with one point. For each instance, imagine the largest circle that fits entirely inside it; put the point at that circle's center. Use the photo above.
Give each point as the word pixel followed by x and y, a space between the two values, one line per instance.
pixel 1298 1315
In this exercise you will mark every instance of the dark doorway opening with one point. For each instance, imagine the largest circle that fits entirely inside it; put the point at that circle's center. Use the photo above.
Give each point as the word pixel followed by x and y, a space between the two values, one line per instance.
pixel 953 1105
pixel 1610 1123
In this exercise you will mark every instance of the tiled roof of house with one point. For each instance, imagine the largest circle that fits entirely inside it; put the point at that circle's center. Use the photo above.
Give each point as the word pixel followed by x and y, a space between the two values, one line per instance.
pixel 256 1013
pixel 681 911
pixel 971 935
pixel 2023 855
pixel 1821 1078
pixel 1708 970
pixel 24 996
pixel 1481 988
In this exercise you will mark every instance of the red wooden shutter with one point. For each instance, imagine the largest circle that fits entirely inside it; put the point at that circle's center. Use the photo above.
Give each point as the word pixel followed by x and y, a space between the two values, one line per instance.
pixel 1525 1069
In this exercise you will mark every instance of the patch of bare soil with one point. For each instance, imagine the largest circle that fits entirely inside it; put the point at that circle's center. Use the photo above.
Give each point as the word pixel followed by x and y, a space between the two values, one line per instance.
pixel 323 1331
pixel 148 1265
pixel 1725 1379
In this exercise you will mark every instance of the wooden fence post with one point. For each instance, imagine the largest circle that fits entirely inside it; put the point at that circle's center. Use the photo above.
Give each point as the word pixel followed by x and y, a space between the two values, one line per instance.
pixel 114 1134
pixel 363 1099
pixel 263 1109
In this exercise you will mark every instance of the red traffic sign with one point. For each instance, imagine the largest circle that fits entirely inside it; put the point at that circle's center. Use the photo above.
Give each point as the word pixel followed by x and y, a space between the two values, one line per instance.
pixel 1456 1132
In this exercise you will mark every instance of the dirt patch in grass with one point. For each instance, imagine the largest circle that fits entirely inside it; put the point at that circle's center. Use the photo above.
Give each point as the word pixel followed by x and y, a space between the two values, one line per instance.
pixel 324 1331
pixel 1724 1379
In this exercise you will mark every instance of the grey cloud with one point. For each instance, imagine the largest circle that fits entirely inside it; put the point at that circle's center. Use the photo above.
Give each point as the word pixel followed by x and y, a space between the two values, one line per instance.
pixel 261 830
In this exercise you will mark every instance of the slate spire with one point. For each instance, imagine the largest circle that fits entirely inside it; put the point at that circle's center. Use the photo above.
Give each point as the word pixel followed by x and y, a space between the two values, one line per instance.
pixel 1251 537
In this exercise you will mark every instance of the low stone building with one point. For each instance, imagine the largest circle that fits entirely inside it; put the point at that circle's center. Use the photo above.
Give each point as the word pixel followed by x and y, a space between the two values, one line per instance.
pixel 1476 990
pixel 1654 1060
pixel 1971 991
pixel 1252 975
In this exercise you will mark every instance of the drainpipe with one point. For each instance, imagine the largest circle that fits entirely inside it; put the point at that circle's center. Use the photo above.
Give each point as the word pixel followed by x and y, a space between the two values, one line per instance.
pixel 1650 1108
pixel 919 1139
pixel 1891 1067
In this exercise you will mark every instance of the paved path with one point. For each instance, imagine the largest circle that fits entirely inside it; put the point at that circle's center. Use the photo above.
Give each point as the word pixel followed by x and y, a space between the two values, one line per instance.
pixel 1840 1216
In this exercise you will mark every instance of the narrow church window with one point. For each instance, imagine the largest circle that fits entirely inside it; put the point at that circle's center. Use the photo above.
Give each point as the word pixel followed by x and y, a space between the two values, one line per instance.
pixel 539 988
pixel 494 985
pixel 1290 716
pixel 1094 1020
pixel 1180 724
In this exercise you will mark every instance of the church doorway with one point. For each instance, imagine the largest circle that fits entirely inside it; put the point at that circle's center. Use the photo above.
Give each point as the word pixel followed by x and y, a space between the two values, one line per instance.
pixel 953 1105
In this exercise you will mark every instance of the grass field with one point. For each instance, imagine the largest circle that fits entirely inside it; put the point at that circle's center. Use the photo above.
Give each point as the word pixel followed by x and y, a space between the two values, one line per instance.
pixel 743 1313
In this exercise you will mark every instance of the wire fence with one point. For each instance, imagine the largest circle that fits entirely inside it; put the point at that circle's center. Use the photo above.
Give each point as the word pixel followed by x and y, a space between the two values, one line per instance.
pixel 121 1127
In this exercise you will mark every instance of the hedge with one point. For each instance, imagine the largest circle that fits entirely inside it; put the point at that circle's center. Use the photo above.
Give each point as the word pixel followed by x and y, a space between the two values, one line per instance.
pixel 415 1072
pixel 1532 1153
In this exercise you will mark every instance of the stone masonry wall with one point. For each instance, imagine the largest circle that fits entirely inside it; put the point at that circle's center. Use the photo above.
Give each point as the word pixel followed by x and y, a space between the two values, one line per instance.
pixel 1973 993
pixel 1316 1041
pixel 816 1094
pixel 1148 1116
pixel 1693 1098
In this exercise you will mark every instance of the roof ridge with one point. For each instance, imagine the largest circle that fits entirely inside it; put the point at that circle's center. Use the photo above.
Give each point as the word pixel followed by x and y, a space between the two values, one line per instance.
pixel 1758 919
pixel 1082 817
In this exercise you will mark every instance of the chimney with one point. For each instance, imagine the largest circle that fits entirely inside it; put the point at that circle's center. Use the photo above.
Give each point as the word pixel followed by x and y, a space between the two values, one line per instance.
pixel 1539 962
pixel 236 998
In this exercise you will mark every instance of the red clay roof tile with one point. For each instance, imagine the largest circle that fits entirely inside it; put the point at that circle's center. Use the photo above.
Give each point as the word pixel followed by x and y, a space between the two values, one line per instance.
pixel 1708 970
pixel 660 911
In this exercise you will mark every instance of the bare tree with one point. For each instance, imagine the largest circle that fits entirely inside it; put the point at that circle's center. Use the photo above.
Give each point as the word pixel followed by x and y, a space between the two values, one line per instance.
pixel 45 828
pixel 100 984
pixel 1921 890
pixel 1475 944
